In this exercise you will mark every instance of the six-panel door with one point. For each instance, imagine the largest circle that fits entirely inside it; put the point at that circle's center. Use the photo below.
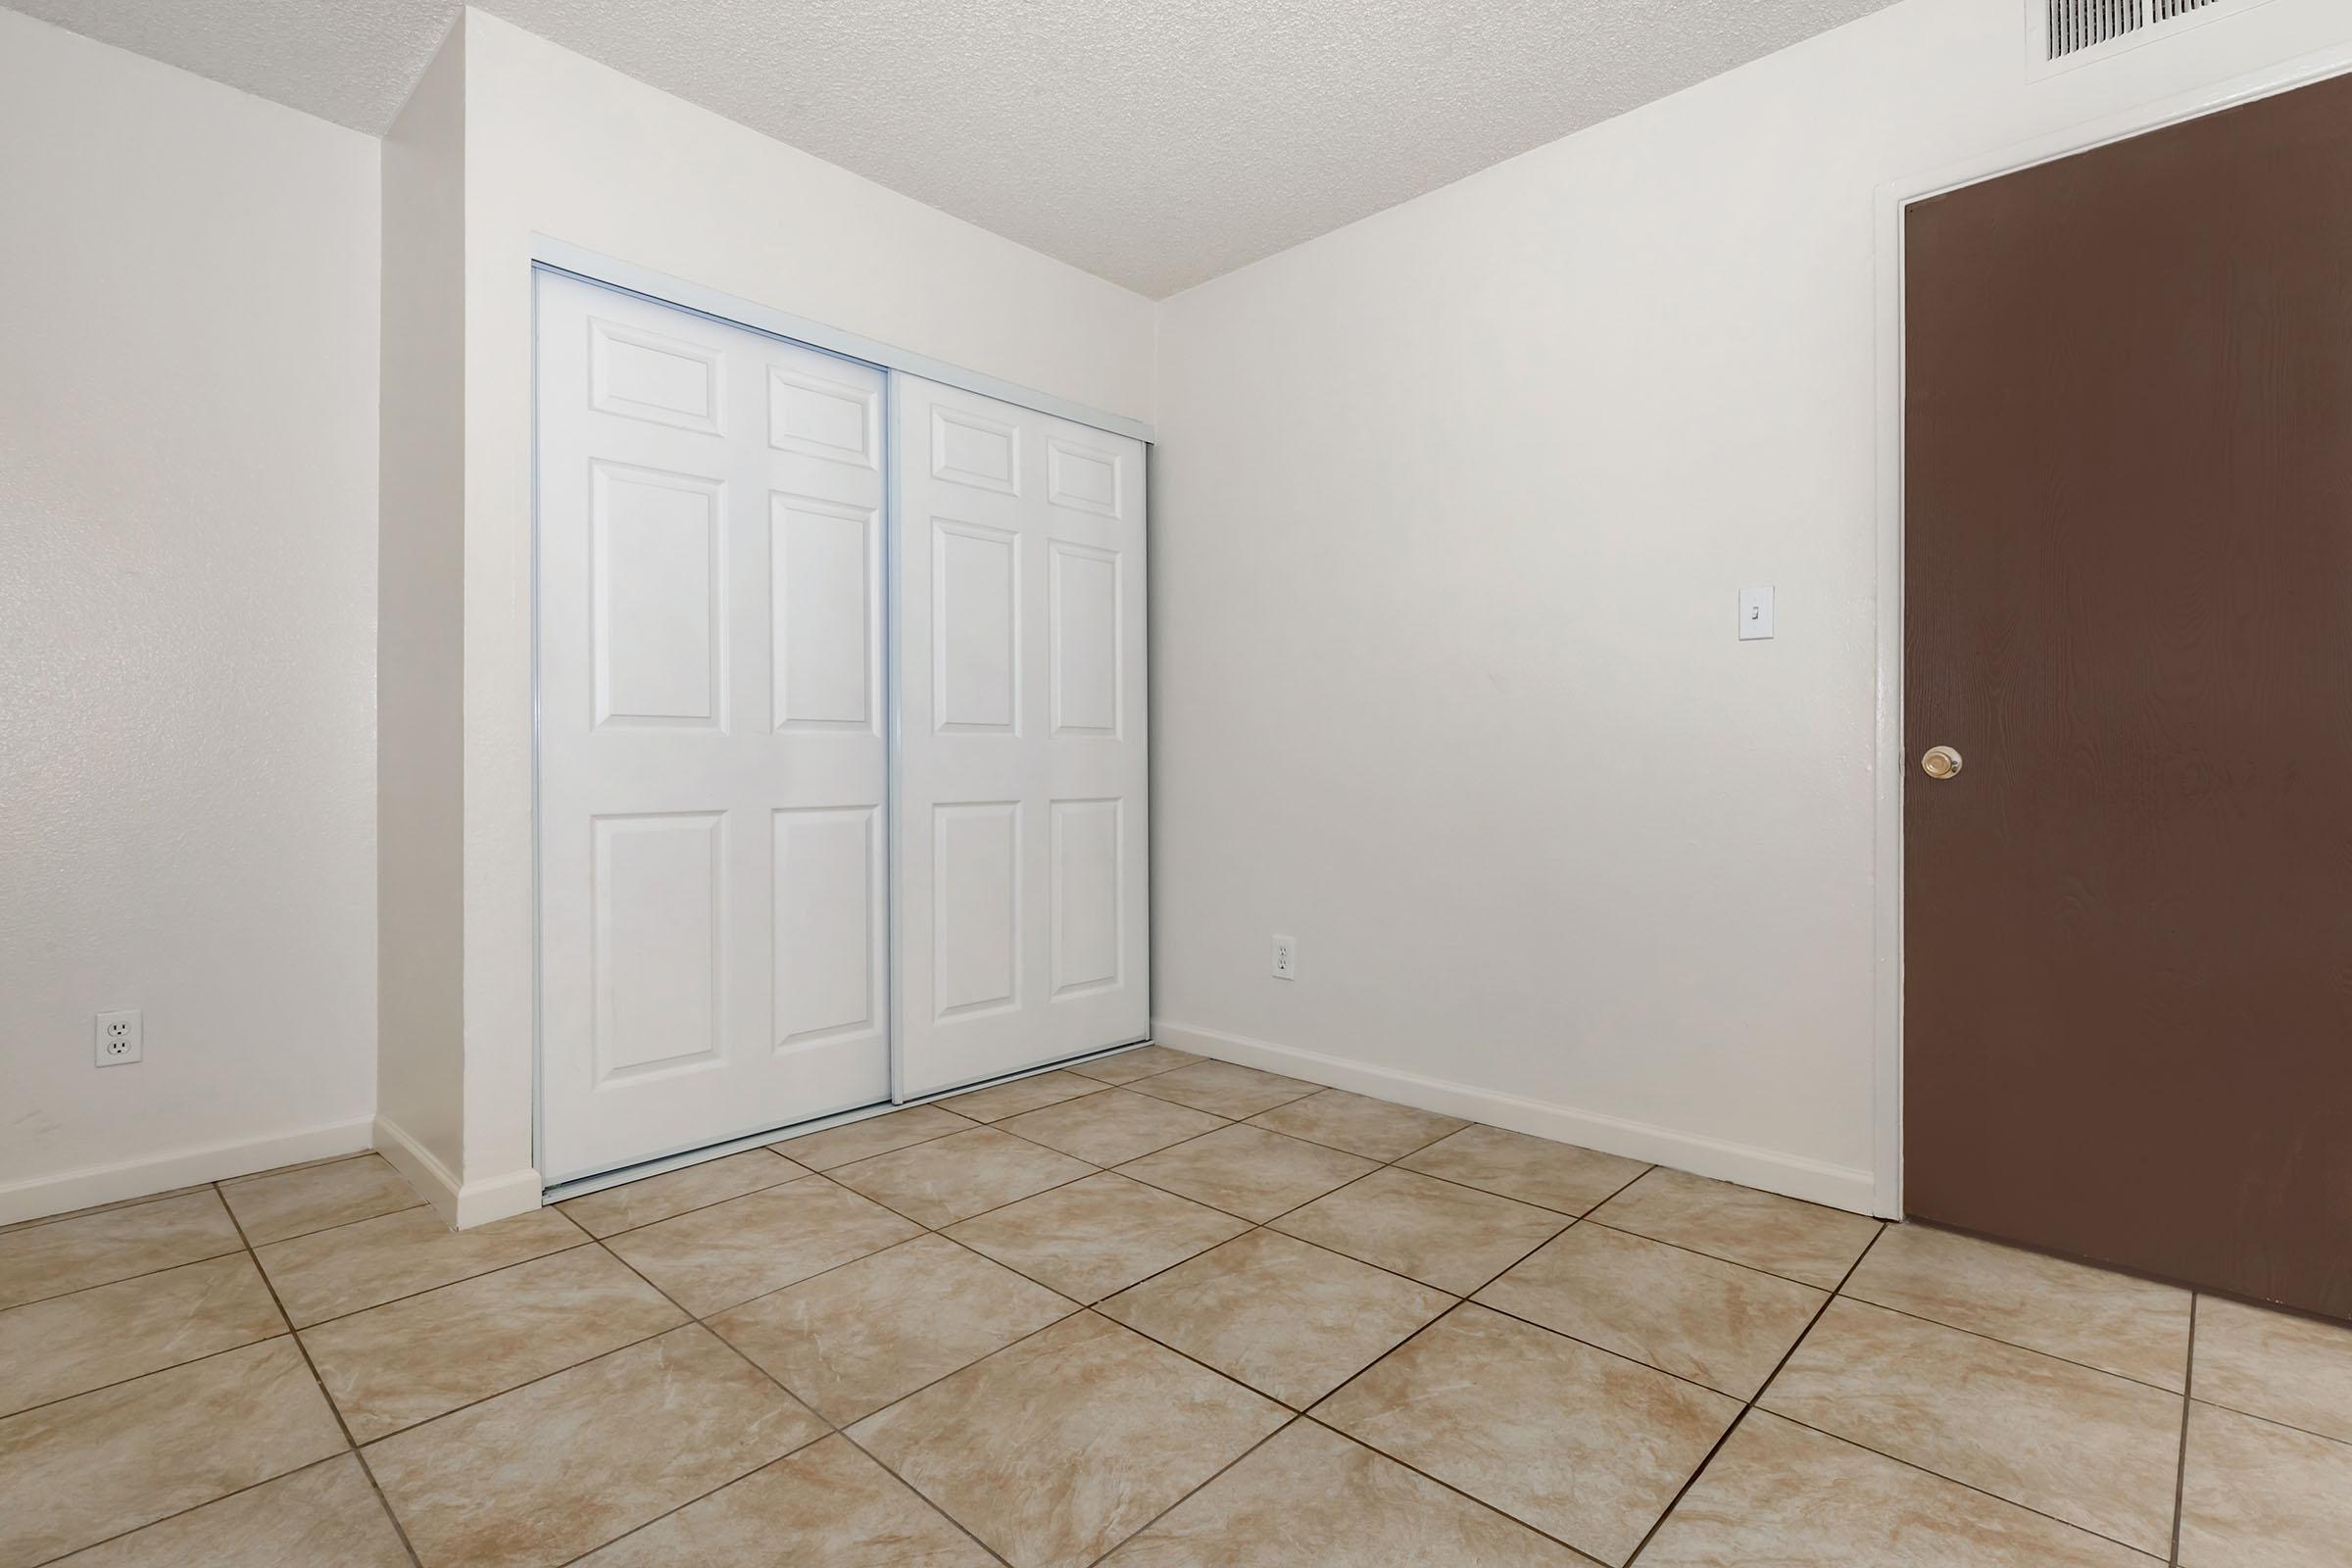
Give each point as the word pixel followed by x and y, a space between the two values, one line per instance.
pixel 1020 797
pixel 712 731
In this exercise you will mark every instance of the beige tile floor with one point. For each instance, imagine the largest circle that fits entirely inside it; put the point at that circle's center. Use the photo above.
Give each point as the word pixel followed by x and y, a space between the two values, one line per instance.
pixel 1151 1311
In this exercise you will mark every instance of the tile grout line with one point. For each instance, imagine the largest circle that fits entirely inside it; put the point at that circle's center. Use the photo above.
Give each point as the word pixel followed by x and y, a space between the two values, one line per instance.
pixel 1097 1302
pixel 1094 1309
pixel 351 1446
pixel 326 1395
pixel 813 1170
pixel 1266 1226
pixel 1913 1464
pixel 1966 1485
pixel 1717 1257
pixel 692 1321
pixel 1970 1486
pixel 244 1243
pixel 193 1507
pixel 1252 1120
pixel 1247 1220
pixel 173 1366
pixel 476 1403
pixel 832 1428
pixel 248 1246
pixel 145 1273
pixel 829 1268
pixel 564 1208
pixel 1459 1301
pixel 2188 1394
pixel 1094 1306
pixel 1573 1220
pixel 586 1239
pixel 1092 1170
pixel 1291 1418
pixel 1306 1413
pixel 1399 1346
pixel 2274 1421
pixel 341 1224
pixel 1995 1339
pixel 1443 1484
pixel 1359 1176
pixel 1691 1479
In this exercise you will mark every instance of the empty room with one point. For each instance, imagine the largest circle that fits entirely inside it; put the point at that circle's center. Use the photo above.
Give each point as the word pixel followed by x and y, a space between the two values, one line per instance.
pixel 1197 784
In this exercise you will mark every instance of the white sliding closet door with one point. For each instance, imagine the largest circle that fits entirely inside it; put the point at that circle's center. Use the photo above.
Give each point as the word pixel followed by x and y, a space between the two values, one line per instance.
pixel 711 748
pixel 1020 898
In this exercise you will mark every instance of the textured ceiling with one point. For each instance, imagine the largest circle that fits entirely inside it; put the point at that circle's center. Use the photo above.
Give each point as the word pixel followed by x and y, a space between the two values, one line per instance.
pixel 1155 142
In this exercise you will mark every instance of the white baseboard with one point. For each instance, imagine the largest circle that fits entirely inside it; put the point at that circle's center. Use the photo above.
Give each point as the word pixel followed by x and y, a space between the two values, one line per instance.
pixel 1792 1175
pixel 517 1192
pixel 463 1205
pixel 431 1179
pixel 62 1194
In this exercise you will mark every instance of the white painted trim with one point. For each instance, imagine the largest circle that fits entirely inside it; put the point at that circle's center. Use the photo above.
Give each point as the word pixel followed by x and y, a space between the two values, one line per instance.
pixel 663 289
pixel 1886 1075
pixel 39 1197
pixel 432 1180
pixel 1838 1186
pixel 517 1192
pixel 464 1205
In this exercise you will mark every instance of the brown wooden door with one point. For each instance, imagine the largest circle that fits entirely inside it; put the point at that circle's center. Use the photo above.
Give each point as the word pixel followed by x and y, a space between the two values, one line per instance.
pixel 2127 605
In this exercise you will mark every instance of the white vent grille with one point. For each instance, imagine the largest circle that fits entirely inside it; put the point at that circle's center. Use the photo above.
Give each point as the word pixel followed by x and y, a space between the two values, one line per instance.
pixel 2061 34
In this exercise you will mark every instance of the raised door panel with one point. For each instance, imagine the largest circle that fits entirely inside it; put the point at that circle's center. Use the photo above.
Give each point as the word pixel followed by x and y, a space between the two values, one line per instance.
pixel 825 570
pixel 976 882
pixel 659 920
pixel 975 634
pixel 1087 866
pixel 823 417
pixel 1085 477
pixel 656 564
pixel 828 924
pixel 642 374
pixel 1088 656
pixel 973 449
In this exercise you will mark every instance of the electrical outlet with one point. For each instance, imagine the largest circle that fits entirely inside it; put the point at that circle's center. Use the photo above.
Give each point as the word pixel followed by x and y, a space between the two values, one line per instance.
pixel 1286 958
pixel 115 1040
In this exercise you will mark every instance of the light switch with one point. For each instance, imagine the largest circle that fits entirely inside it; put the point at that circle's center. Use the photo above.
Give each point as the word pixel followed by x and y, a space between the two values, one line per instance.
pixel 1755 613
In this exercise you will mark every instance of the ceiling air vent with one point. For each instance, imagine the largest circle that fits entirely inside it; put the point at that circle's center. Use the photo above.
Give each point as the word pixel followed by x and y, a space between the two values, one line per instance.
pixel 2061 34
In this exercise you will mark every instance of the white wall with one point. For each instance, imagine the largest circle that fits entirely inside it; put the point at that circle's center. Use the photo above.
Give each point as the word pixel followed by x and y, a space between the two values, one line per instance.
pixel 1452 508
pixel 188 607
pixel 560 146
pixel 419 635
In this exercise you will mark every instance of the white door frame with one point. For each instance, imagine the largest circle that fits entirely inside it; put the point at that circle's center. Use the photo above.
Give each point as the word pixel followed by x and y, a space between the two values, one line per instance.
pixel 549 254
pixel 1892 197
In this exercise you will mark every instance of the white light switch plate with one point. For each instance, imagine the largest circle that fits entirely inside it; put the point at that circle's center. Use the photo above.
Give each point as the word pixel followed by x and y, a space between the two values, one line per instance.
pixel 1755 613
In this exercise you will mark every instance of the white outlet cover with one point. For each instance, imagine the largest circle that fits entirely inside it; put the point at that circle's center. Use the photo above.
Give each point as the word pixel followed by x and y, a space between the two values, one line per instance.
pixel 1286 958
pixel 116 1039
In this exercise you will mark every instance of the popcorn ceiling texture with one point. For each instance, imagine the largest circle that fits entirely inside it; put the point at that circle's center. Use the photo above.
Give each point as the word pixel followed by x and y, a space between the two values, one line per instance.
pixel 1157 143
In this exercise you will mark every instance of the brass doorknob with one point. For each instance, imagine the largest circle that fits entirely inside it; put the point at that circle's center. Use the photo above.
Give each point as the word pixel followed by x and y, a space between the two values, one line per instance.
pixel 1941 761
